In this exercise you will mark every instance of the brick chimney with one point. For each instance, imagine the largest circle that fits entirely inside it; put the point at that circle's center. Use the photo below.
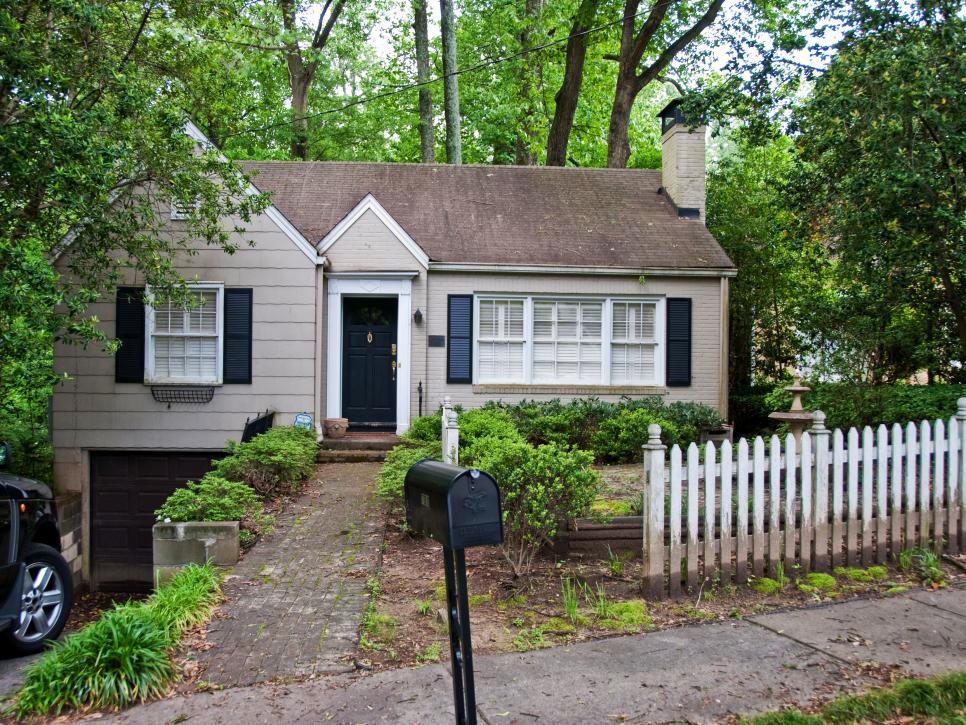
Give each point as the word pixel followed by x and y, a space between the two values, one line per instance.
pixel 682 162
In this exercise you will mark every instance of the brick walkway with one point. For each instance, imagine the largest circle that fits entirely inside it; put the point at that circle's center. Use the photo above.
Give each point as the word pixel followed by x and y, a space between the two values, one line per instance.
pixel 294 604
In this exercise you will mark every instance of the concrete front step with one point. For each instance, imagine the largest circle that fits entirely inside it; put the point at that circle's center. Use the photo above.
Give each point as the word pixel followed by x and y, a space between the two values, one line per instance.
pixel 350 456
pixel 362 443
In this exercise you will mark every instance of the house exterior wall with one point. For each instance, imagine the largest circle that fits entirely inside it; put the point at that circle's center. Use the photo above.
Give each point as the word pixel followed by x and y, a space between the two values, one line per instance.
pixel 93 412
pixel 707 384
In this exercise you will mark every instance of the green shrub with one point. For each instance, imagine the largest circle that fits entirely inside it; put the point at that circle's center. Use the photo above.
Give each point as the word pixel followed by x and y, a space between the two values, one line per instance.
pixel 123 657
pixel 392 474
pixel 619 439
pixel 766 585
pixel 31 454
pixel 215 499
pixel 541 487
pixel 275 460
pixel 690 418
pixel 486 423
pixel 425 429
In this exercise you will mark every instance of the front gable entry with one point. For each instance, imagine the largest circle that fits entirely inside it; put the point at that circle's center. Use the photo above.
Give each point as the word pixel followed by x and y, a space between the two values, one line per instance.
pixel 369 237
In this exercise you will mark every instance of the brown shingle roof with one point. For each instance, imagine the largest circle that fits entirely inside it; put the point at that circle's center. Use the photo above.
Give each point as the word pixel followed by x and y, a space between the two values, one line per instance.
pixel 500 214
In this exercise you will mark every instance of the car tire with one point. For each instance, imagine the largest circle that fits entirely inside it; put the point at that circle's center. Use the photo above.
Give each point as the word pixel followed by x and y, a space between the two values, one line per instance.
pixel 48 593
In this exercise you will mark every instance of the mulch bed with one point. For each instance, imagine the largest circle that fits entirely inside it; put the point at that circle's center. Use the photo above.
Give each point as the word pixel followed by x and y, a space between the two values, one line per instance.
pixel 518 615
pixel 88 606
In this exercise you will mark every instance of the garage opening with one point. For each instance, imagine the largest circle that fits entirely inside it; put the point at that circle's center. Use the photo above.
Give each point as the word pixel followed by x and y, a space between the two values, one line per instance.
pixel 126 489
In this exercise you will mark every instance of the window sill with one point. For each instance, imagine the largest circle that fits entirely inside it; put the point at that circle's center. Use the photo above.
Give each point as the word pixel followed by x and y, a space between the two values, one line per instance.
pixel 507 388
pixel 181 383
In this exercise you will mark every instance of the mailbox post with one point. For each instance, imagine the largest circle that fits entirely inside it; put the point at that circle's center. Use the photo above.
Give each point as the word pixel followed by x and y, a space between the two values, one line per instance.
pixel 459 508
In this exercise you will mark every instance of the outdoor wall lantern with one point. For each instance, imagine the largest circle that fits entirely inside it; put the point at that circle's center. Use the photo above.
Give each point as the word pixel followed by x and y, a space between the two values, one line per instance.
pixel 418 316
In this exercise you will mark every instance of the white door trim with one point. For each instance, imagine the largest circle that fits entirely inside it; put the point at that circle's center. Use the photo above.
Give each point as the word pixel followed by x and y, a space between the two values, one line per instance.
pixel 374 286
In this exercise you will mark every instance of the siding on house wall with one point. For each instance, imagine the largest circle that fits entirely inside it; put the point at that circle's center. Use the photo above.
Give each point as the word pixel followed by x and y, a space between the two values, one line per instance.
pixel 706 331
pixel 91 411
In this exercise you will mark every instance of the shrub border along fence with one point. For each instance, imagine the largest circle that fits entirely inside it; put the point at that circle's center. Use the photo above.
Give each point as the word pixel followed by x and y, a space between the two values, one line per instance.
pixel 834 498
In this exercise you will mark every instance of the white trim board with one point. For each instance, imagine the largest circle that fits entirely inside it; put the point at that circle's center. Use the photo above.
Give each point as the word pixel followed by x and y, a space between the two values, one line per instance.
pixel 371 286
pixel 582 270
pixel 369 203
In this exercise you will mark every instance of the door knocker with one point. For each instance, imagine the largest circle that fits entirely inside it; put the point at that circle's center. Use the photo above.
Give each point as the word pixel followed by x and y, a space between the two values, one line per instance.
pixel 369 337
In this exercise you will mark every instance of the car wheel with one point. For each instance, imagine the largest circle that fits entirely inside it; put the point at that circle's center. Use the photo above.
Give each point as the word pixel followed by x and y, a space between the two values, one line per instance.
pixel 48 592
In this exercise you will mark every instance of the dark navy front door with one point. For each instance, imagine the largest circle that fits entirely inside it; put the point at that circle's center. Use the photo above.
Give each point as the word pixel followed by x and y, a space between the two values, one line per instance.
pixel 368 362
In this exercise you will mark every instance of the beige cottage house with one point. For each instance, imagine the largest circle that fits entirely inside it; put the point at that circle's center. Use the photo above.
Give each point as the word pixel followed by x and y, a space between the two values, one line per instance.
pixel 373 291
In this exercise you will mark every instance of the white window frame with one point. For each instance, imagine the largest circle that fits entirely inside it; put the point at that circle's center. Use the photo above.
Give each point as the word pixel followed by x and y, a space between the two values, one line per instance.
pixel 606 341
pixel 578 341
pixel 527 325
pixel 149 335
pixel 660 341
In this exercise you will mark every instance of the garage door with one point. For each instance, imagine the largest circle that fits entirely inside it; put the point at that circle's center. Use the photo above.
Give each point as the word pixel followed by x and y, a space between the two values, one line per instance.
pixel 126 489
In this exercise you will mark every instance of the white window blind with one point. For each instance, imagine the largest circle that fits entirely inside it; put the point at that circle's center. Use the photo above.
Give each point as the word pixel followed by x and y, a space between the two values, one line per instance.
pixel 501 340
pixel 633 342
pixel 566 341
pixel 186 343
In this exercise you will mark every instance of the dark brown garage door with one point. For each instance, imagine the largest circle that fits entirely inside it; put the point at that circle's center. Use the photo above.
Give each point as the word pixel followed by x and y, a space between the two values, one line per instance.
pixel 126 489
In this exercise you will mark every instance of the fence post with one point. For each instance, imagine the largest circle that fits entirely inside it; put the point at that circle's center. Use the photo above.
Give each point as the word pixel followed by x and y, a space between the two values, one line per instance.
pixel 450 433
pixel 961 477
pixel 653 513
pixel 821 435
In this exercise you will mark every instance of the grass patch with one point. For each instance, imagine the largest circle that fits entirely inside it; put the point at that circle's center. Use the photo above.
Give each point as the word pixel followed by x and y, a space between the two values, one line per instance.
pixel 766 585
pixel 692 612
pixel 529 639
pixel 475 599
pixel 630 616
pixel 856 574
pixel 431 653
pixel 123 657
pixel 939 699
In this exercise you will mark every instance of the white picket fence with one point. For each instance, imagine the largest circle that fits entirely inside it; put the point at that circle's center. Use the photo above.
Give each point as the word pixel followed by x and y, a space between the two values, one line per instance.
pixel 834 498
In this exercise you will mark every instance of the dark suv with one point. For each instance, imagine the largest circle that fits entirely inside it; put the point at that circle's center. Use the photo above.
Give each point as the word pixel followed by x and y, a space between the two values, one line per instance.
pixel 36 588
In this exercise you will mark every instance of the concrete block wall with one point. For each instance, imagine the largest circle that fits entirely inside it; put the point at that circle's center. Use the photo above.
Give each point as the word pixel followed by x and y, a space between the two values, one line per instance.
pixel 69 513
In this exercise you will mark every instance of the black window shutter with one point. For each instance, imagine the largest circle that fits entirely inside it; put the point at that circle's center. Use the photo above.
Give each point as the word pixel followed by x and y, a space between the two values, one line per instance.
pixel 237 354
pixel 678 372
pixel 129 316
pixel 459 361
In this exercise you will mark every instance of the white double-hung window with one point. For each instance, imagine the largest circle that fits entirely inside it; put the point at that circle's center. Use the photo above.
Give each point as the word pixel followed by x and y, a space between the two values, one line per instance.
pixel 634 343
pixel 184 345
pixel 572 340
pixel 566 341
pixel 501 340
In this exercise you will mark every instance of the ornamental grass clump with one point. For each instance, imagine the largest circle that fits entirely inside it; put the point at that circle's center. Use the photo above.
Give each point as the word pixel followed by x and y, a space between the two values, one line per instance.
pixel 123 657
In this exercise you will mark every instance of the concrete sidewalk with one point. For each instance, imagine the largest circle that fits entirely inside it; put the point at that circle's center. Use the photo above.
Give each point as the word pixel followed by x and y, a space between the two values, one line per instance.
pixel 701 673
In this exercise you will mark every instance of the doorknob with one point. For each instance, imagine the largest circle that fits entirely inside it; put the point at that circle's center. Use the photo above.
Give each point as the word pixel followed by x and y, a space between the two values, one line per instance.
pixel 394 371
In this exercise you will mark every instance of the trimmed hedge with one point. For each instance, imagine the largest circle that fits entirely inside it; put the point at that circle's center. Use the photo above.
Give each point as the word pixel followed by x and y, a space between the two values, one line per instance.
pixel 125 656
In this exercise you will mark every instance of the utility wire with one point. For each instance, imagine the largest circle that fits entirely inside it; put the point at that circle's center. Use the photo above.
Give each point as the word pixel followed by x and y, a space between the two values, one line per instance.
pixel 403 89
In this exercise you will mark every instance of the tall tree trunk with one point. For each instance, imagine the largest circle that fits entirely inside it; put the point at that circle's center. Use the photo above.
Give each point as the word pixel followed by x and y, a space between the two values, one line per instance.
pixel 631 79
pixel 618 141
pixel 526 130
pixel 302 73
pixel 300 84
pixel 427 143
pixel 451 87
pixel 569 93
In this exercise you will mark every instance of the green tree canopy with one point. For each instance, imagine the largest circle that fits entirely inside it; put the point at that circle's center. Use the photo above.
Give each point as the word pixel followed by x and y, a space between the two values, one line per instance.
pixel 882 139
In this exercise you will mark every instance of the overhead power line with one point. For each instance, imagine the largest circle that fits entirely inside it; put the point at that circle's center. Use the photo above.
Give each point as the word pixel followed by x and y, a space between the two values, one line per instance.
pixel 397 90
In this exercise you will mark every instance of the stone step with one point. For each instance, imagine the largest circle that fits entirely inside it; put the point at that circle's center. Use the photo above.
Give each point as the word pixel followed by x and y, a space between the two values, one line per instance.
pixel 350 456
pixel 362 443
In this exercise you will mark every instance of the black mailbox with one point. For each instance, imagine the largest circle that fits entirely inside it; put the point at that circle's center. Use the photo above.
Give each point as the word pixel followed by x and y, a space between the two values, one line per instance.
pixel 458 507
